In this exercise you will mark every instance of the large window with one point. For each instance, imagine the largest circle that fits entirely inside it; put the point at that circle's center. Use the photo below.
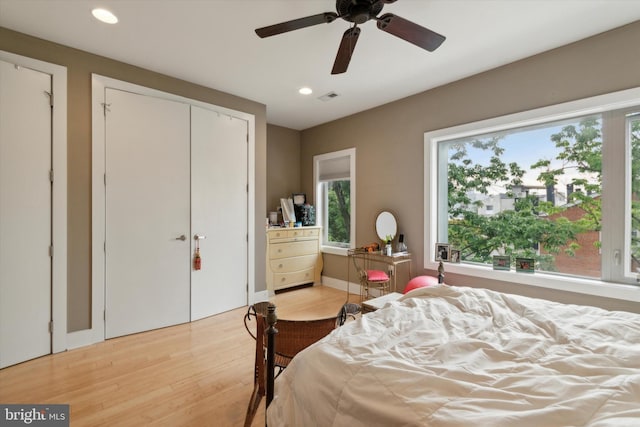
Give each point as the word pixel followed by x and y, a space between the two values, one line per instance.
pixel 549 185
pixel 334 179
pixel 531 192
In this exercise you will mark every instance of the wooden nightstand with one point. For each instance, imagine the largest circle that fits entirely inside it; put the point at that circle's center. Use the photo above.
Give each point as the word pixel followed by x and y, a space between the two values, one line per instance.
pixel 376 303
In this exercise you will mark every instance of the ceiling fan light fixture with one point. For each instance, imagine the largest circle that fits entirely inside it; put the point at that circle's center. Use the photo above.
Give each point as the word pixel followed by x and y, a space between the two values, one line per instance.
pixel 104 15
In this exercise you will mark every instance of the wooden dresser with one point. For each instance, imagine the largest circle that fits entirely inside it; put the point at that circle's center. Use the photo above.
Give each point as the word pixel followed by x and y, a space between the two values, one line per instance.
pixel 293 257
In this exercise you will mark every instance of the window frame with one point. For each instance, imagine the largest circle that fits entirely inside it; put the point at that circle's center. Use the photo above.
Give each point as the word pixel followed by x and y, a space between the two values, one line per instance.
pixel 628 225
pixel 319 198
pixel 612 107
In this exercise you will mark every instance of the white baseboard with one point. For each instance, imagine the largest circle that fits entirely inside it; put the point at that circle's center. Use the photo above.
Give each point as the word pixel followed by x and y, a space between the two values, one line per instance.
pixel 354 288
pixel 260 296
pixel 340 284
pixel 80 339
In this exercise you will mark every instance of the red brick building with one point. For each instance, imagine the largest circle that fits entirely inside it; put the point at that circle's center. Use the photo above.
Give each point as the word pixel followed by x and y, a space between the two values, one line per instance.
pixel 586 261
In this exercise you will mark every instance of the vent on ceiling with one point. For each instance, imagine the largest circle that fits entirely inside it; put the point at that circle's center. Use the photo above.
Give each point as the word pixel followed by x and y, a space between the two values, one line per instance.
pixel 328 97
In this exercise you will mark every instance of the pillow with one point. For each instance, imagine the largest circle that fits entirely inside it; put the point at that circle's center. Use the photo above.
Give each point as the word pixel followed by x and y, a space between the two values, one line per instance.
pixel 377 276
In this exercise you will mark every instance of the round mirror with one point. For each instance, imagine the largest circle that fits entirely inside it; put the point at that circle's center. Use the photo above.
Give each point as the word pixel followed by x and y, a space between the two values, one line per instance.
pixel 386 226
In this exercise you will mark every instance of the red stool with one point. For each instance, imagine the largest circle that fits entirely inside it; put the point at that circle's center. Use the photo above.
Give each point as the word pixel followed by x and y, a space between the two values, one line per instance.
pixel 373 279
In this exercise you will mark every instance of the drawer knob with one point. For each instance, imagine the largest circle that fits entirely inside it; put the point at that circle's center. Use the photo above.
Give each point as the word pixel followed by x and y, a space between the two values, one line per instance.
pixel 283 279
pixel 280 266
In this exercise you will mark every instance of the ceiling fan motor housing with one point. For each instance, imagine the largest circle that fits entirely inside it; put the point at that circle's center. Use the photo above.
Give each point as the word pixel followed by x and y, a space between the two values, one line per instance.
pixel 359 11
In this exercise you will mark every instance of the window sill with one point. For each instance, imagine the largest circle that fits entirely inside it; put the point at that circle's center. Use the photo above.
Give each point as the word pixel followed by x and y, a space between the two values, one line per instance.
pixel 334 250
pixel 620 291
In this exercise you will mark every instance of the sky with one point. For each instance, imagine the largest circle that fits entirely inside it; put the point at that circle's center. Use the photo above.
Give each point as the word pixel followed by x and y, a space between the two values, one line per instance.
pixel 526 147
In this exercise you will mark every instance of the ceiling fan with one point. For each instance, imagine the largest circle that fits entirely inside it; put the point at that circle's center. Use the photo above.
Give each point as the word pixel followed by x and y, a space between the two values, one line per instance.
pixel 359 12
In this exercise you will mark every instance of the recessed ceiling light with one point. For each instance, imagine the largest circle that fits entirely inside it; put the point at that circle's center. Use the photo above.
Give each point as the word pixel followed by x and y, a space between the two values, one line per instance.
pixel 105 16
pixel 305 91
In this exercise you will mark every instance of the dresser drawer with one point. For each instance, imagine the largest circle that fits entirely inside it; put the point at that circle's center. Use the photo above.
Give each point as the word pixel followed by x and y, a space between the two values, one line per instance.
pixel 282 280
pixel 276 235
pixel 290 249
pixel 298 263
pixel 303 232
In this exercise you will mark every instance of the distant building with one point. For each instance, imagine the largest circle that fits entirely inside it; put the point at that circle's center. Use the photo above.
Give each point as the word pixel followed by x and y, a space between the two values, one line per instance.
pixel 586 261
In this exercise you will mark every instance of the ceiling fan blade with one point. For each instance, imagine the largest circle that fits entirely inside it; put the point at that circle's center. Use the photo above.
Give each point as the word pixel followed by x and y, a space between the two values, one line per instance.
pixel 347 45
pixel 410 31
pixel 296 24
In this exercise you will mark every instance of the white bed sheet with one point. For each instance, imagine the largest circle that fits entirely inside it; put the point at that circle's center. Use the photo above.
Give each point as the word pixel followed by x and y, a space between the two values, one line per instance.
pixel 456 356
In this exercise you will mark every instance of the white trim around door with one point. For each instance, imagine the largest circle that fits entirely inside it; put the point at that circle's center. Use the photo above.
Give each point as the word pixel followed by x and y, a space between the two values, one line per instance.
pixel 59 192
pixel 99 84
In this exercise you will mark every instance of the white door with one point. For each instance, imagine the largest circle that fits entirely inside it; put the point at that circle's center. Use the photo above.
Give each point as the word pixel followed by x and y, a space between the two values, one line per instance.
pixel 219 208
pixel 147 263
pixel 25 214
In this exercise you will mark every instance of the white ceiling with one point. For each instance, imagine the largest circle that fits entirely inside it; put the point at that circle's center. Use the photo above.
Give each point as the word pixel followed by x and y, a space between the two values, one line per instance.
pixel 212 43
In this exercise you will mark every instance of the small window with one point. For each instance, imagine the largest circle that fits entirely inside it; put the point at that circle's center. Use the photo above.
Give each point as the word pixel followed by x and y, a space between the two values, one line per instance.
pixel 334 177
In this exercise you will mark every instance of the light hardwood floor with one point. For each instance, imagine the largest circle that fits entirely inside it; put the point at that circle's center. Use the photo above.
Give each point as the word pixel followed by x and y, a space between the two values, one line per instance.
pixel 195 374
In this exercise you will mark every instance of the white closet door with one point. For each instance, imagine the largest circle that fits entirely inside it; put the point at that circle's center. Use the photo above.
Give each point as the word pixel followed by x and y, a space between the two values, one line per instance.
pixel 219 151
pixel 147 213
pixel 25 214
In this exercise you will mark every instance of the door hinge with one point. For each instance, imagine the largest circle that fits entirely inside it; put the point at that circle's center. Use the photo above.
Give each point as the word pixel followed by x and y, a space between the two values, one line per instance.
pixel 247 236
pixel 104 315
pixel 247 188
pixel 51 175
pixel 50 94
pixel 104 178
pixel 51 251
pixel 51 326
pixel 105 107
pixel 104 247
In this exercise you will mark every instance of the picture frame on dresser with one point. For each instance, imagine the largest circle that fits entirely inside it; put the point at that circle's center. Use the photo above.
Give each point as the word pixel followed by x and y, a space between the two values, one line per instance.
pixel 299 198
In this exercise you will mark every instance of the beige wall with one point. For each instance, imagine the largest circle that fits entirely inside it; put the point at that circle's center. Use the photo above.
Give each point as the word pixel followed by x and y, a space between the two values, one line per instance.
pixel 80 65
pixel 389 139
pixel 283 158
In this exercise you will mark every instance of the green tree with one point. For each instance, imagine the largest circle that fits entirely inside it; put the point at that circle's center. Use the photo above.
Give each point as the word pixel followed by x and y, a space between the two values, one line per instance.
pixel 339 221
pixel 519 231
pixel 580 150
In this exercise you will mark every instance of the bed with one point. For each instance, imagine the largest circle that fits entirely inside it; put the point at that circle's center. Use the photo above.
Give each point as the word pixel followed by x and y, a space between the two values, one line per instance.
pixel 454 356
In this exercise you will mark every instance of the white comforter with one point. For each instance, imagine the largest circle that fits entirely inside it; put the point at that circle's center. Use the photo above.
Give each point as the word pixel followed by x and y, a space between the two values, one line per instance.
pixel 453 356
